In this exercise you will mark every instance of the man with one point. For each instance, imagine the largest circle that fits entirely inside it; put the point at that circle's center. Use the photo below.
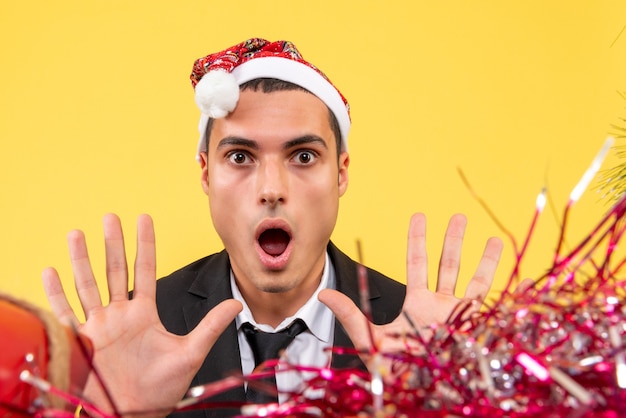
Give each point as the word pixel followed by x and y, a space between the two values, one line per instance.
pixel 274 163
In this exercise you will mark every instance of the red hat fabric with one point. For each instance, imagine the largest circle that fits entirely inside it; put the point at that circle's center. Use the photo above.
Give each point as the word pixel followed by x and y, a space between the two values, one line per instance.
pixel 216 79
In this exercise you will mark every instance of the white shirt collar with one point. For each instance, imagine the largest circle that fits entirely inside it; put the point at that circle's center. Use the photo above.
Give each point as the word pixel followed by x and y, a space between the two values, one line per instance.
pixel 317 316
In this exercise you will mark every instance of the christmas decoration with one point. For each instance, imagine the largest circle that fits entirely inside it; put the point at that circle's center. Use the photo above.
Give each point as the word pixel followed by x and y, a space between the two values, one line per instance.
pixel 41 361
pixel 613 182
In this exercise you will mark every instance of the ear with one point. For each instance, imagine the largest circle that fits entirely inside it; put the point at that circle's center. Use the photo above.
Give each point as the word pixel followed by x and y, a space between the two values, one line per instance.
pixel 344 162
pixel 204 166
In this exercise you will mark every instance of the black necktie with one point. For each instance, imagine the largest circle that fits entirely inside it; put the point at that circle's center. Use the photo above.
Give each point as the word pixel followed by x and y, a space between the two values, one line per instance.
pixel 266 346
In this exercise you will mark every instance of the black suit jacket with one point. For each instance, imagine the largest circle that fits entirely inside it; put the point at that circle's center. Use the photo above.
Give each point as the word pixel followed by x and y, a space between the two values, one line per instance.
pixel 185 297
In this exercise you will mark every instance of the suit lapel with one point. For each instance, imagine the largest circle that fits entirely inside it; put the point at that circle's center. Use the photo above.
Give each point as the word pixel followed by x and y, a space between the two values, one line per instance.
pixel 212 285
pixel 347 283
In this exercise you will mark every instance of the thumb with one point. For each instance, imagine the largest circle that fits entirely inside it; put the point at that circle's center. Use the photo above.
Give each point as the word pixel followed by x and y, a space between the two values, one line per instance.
pixel 203 336
pixel 350 316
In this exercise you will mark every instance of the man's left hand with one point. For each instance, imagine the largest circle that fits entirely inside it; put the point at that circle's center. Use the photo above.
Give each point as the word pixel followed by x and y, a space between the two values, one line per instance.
pixel 424 307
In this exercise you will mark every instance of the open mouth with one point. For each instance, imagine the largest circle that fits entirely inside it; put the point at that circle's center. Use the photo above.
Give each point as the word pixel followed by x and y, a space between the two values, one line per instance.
pixel 274 241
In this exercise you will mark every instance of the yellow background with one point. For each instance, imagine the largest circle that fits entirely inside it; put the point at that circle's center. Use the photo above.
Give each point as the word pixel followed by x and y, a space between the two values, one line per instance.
pixel 97 116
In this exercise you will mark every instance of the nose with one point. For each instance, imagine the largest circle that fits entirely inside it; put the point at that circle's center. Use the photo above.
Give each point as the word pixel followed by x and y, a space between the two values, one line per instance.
pixel 272 183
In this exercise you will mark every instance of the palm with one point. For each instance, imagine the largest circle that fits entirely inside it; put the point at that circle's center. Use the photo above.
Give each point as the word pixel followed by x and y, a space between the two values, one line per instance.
pixel 430 308
pixel 137 348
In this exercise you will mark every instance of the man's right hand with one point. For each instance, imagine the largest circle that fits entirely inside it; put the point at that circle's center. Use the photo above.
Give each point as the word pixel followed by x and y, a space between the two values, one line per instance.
pixel 144 367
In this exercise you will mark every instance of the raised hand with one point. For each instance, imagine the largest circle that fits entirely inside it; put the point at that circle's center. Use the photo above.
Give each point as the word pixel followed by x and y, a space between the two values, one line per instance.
pixel 144 367
pixel 423 306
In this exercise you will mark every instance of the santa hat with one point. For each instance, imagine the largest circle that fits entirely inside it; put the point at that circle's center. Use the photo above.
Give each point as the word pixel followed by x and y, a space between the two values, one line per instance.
pixel 216 79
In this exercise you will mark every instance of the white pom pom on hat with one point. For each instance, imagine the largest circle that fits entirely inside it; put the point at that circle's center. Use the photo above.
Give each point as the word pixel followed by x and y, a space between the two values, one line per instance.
pixel 217 77
pixel 217 93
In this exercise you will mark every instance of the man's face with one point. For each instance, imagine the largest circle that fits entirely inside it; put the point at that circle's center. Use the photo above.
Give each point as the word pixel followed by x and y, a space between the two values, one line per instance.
pixel 273 181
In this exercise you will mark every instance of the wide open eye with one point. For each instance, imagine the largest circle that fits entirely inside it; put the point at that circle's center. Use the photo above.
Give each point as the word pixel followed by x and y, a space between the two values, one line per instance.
pixel 238 157
pixel 304 157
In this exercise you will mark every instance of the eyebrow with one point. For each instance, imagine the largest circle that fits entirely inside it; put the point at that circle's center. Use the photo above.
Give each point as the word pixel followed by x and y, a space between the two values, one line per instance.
pixel 238 142
pixel 306 139
pixel 248 143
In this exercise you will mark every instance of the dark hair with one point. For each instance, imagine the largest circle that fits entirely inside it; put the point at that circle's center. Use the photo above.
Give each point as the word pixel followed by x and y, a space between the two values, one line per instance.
pixel 268 85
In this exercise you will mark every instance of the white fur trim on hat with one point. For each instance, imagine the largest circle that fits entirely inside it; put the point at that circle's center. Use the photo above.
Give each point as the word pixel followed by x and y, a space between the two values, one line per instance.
pixel 283 69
